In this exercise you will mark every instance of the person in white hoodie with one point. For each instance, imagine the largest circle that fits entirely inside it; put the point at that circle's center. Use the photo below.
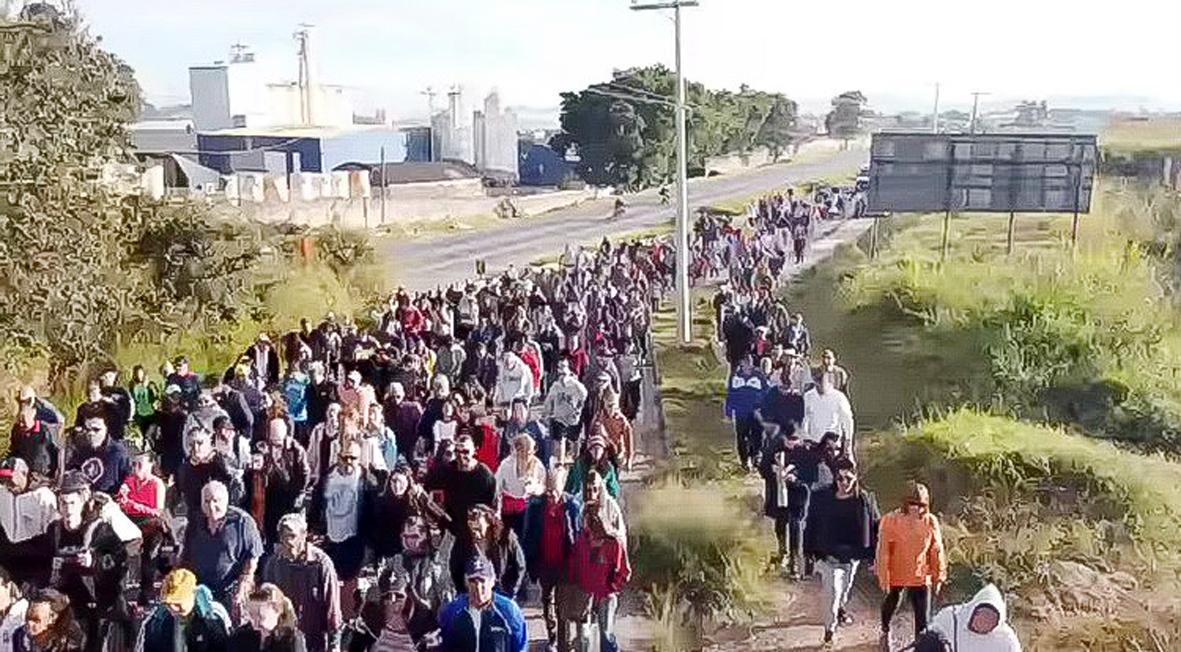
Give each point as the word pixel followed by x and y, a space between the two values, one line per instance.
pixel 514 380
pixel 827 409
pixel 978 625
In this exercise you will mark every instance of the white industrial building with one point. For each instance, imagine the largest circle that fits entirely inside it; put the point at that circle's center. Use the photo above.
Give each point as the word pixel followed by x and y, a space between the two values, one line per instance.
pixel 451 134
pixel 495 134
pixel 234 95
pixel 488 141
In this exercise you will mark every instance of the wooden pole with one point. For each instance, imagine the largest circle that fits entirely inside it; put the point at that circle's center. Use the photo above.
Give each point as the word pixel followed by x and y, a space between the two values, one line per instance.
pixel 1012 221
pixel 946 234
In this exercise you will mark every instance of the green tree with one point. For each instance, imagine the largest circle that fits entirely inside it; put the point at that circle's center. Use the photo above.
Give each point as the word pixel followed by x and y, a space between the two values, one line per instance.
pixel 640 152
pixel 845 119
pixel 62 233
pixel 776 129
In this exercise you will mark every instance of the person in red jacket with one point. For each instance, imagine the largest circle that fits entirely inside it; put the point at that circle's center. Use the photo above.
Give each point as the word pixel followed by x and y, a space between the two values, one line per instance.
pixel 141 497
pixel 600 569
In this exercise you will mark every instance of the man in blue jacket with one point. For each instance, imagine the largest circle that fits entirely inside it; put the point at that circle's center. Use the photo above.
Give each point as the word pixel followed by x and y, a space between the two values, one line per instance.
pixel 481 619
pixel 744 395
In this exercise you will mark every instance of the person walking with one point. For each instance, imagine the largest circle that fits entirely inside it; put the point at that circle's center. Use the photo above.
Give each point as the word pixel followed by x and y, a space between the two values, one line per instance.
pixel 599 568
pixel 827 409
pixel 305 574
pixel 785 499
pixel 481 618
pixel 978 625
pixel 552 523
pixel 187 619
pixel 270 624
pixel 744 394
pixel 910 558
pixel 222 546
pixel 840 534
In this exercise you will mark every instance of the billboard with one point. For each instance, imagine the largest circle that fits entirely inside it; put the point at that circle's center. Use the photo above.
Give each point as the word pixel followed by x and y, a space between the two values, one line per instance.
pixel 986 173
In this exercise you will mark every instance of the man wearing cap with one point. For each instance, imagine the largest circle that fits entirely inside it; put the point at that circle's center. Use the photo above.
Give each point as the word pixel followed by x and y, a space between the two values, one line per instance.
pixel 186 620
pixel 33 437
pixel 264 360
pixel 482 619
pixel 222 546
pixel 307 576
pixel 104 463
pixel 184 378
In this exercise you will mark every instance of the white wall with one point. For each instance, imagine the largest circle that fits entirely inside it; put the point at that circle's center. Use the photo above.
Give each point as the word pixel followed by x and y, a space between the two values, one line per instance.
pixel 248 94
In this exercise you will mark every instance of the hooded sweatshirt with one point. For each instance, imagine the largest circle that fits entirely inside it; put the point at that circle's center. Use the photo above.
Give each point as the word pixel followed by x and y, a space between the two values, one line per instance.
pixel 953 621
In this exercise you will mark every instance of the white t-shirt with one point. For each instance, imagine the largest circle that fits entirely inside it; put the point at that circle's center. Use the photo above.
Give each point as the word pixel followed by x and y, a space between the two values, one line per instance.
pixel 342 503
pixel 12 622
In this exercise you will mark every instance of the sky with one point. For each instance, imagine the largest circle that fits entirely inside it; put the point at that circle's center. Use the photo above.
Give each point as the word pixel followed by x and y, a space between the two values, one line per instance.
pixel 388 51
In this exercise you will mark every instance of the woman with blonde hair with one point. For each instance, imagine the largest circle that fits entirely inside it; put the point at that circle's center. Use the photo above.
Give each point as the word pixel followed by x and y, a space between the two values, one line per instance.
pixel 910 558
pixel 269 624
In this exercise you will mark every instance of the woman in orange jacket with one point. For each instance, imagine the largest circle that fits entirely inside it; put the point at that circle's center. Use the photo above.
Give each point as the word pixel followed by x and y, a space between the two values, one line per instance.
pixel 910 556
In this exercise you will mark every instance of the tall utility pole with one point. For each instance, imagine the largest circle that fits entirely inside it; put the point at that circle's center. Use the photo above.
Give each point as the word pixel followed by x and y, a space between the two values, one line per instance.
pixel 684 301
pixel 303 36
pixel 975 107
pixel 935 115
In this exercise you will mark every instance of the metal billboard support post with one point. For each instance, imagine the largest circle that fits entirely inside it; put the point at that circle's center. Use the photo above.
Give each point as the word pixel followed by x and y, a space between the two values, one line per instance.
pixel 946 233
pixel 873 239
pixel 1012 221
pixel 383 185
pixel 1078 188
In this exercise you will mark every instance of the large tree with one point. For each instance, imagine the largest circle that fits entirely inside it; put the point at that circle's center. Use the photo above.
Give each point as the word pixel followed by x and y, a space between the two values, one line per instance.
pixel 845 119
pixel 617 149
pixel 62 233
pixel 83 258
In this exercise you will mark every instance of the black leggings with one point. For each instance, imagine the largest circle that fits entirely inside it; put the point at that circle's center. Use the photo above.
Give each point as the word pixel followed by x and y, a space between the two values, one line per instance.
pixel 789 534
pixel 749 436
pixel 920 601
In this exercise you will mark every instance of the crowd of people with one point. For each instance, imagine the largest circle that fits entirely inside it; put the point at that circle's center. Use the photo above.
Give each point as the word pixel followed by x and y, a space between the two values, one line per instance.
pixel 399 486
pixel 408 484
pixel 794 426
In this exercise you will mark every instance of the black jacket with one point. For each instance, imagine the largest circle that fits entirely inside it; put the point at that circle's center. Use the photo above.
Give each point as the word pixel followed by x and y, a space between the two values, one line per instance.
pixel 506 555
pixel 828 535
pixel 248 639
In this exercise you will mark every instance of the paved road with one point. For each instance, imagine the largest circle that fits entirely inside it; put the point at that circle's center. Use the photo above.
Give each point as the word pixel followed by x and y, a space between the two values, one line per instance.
pixel 451 259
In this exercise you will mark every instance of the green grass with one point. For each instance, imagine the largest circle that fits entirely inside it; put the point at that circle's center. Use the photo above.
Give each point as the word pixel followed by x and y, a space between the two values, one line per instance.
pixel 1130 136
pixel 691 529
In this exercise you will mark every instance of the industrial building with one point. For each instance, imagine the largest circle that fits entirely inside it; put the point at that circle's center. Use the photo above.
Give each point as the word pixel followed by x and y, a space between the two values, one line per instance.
pixel 287 150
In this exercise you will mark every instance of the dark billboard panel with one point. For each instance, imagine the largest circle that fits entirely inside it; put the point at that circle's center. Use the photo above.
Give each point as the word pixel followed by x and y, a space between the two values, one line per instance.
pixel 988 173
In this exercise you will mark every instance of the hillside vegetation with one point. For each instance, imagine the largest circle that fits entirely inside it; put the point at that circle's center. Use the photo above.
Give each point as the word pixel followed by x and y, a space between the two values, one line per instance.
pixel 1039 400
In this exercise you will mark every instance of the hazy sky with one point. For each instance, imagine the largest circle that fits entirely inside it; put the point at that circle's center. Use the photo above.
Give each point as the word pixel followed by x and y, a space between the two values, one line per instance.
pixel 389 50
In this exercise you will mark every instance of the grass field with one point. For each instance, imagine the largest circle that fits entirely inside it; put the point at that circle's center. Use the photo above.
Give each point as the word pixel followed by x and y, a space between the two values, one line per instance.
pixel 1142 135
